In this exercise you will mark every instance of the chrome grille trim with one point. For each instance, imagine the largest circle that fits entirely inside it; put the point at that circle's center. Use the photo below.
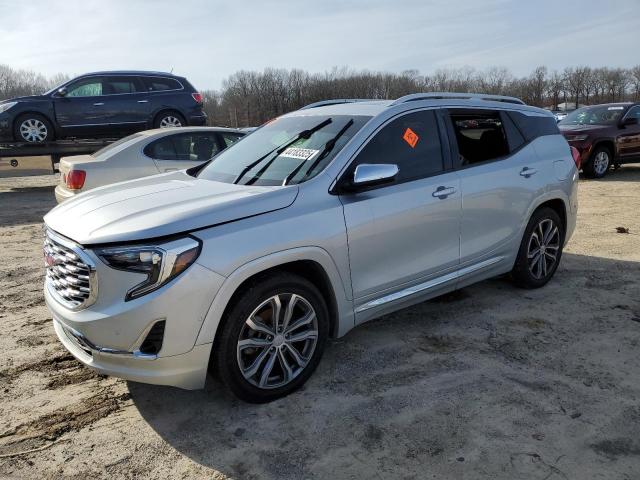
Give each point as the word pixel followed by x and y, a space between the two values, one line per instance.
pixel 71 274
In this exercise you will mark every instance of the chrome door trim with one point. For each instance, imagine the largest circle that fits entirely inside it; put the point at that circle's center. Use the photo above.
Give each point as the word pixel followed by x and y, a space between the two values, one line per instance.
pixel 98 124
pixel 421 287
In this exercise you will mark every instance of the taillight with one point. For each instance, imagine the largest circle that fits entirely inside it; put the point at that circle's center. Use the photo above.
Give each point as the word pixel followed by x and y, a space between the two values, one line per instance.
pixel 576 156
pixel 197 97
pixel 75 179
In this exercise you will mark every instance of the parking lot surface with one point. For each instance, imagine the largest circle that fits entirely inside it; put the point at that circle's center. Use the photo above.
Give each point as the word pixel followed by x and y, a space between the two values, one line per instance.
pixel 487 382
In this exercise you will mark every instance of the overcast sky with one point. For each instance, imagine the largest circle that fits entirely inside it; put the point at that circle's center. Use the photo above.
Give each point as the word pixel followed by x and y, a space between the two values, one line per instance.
pixel 206 41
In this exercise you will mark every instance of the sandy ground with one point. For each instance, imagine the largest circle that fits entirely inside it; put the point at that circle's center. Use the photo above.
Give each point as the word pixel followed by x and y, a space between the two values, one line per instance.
pixel 488 382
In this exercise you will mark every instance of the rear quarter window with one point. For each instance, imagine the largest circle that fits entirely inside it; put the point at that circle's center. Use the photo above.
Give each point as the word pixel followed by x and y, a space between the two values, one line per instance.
pixel 158 84
pixel 533 127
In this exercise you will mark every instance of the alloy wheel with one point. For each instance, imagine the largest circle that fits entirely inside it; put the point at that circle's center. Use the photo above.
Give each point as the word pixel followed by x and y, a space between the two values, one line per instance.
pixel 277 341
pixel 601 163
pixel 170 121
pixel 33 130
pixel 543 248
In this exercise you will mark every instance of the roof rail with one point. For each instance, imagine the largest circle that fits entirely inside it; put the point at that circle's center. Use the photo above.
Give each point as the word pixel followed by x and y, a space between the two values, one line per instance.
pixel 334 102
pixel 457 96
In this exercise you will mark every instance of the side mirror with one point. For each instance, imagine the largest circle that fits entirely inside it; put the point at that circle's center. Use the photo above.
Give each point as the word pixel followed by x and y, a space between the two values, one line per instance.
pixel 61 92
pixel 629 121
pixel 367 174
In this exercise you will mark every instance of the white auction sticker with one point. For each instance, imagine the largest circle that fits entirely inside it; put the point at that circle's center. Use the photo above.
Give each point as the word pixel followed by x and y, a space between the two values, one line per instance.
pixel 615 108
pixel 299 153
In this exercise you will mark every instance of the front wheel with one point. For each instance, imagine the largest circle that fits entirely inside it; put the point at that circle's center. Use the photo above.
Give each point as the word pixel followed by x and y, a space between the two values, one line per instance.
pixel 599 163
pixel 272 339
pixel 540 250
pixel 33 128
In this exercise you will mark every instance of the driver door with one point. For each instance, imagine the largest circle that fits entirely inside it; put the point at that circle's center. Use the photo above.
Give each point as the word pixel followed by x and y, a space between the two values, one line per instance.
pixel 79 111
pixel 404 237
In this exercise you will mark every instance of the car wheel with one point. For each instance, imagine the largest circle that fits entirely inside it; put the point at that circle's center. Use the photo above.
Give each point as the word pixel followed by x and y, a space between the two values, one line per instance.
pixel 272 339
pixel 168 120
pixel 33 128
pixel 598 163
pixel 540 250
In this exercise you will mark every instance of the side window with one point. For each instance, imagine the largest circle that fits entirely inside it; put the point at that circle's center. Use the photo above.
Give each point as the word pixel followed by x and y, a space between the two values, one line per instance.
pixel 634 112
pixel 119 85
pixel 480 135
pixel 184 146
pixel 86 87
pixel 412 142
pixel 534 126
pixel 230 138
pixel 157 84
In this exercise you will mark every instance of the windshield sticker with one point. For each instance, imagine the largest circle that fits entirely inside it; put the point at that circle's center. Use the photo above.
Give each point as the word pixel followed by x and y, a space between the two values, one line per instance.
pixel 410 137
pixel 299 153
pixel 615 108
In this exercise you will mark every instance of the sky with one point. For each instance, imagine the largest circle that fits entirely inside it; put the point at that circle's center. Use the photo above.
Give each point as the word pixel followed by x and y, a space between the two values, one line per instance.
pixel 206 41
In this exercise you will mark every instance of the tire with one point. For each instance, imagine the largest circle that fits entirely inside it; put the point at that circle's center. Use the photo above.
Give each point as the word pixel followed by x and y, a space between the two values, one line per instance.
pixel 527 272
pixel 33 128
pixel 599 163
pixel 169 118
pixel 247 343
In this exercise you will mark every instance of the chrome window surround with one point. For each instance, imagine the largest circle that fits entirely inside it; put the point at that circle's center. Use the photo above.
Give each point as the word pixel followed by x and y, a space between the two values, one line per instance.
pixel 53 94
pixel 63 252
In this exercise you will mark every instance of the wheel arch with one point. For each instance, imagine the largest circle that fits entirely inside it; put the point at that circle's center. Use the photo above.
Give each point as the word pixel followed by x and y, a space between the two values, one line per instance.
pixel 166 109
pixel 609 144
pixel 312 263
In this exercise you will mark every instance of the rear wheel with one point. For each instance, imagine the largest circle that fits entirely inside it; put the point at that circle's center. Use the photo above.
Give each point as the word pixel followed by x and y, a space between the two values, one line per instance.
pixel 272 339
pixel 33 128
pixel 599 163
pixel 540 250
pixel 169 119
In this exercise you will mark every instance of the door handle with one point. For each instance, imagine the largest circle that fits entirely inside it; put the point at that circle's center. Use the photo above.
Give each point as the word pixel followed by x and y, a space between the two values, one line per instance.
pixel 98 104
pixel 443 192
pixel 143 101
pixel 526 172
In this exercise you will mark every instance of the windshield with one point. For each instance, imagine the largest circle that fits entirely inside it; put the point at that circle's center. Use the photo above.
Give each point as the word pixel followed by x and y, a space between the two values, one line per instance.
pixel 284 151
pixel 600 115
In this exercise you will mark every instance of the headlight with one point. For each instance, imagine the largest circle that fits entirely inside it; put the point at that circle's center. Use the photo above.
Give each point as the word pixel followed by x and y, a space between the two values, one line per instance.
pixel 160 264
pixel 6 106
pixel 576 138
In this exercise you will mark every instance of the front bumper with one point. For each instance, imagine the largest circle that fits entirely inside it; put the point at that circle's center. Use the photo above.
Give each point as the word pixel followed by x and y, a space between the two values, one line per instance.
pixel 5 127
pixel 108 334
pixel 187 371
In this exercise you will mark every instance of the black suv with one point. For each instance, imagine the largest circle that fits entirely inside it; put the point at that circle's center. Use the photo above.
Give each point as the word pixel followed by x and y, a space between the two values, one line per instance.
pixel 102 104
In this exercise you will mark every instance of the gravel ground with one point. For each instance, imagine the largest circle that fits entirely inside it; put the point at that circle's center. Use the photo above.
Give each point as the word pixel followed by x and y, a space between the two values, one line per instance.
pixel 487 382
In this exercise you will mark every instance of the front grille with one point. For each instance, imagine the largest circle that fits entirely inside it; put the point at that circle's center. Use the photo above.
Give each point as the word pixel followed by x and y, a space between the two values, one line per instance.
pixel 70 273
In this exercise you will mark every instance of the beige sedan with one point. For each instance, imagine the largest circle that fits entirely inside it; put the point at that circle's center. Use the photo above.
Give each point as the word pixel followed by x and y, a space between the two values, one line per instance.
pixel 142 154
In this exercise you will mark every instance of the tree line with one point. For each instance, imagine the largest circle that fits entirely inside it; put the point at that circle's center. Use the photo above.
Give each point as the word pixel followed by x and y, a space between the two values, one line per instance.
pixel 249 98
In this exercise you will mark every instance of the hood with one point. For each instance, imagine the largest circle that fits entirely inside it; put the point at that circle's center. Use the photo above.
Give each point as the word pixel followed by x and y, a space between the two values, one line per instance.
pixel 28 98
pixel 581 128
pixel 161 205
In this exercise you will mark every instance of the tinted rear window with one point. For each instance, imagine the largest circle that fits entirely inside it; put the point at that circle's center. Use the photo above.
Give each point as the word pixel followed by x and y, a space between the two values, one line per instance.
pixel 158 84
pixel 533 126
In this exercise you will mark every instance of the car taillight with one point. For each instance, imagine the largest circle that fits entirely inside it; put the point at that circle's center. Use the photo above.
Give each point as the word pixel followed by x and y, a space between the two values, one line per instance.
pixel 197 97
pixel 75 179
pixel 575 153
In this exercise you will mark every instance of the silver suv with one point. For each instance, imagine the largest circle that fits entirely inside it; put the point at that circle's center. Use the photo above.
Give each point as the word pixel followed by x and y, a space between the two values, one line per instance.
pixel 318 221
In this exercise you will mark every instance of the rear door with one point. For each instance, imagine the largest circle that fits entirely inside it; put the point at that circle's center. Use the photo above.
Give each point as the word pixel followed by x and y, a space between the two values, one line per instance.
pixel 183 150
pixel 125 102
pixel 500 176
pixel 403 234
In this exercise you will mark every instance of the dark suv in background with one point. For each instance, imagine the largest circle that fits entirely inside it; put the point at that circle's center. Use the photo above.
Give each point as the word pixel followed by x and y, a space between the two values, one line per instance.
pixel 102 104
pixel 605 135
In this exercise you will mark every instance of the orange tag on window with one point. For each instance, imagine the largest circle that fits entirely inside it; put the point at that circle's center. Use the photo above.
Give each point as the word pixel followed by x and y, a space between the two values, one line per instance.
pixel 410 137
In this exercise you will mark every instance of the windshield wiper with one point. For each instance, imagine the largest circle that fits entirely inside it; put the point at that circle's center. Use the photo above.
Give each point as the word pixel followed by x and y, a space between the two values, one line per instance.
pixel 323 153
pixel 304 134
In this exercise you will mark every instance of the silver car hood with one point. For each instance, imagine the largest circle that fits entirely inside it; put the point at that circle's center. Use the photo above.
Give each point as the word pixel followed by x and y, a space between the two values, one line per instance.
pixel 161 205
